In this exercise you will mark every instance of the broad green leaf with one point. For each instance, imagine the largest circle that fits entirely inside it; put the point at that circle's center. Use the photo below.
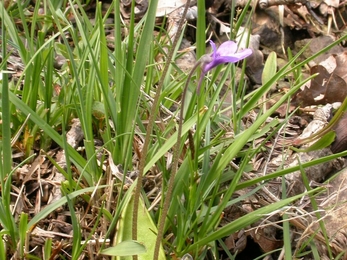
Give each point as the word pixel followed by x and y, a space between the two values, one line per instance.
pixel 125 248
pixel 268 73
pixel 146 231
pixel 270 67
pixel 248 219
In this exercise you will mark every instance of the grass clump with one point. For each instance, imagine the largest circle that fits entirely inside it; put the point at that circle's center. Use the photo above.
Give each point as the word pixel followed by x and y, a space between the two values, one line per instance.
pixel 114 174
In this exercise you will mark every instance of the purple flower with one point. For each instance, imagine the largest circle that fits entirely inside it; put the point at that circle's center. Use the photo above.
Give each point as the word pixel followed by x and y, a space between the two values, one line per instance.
pixel 226 53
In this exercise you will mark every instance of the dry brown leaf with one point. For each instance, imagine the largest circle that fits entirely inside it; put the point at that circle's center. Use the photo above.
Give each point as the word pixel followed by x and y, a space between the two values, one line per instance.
pixel 236 242
pixel 266 243
pixel 333 3
pixel 340 143
pixel 165 7
pixel 341 65
pixel 325 88
pixel 317 44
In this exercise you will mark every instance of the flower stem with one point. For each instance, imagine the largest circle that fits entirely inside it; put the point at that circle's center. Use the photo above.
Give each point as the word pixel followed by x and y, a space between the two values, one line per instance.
pixel 152 116
pixel 176 154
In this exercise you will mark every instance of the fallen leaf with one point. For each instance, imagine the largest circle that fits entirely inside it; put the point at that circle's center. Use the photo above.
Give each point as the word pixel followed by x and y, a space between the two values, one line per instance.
pixel 165 7
pixel 340 143
pixel 341 64
pixel 325 88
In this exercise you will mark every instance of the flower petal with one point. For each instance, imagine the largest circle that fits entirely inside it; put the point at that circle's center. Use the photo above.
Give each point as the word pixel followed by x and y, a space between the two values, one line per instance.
pixel 213 45
pixel 224 54
pixel 234 57
pixel 244 53
pixel 227 48
pixel 206 62
pixel 211 65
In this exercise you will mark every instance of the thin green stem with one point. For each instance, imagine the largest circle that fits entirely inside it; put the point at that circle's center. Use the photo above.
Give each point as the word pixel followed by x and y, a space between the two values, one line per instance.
pixel 152 116
pixel 5 150
pixel 174 167
pixel 6 117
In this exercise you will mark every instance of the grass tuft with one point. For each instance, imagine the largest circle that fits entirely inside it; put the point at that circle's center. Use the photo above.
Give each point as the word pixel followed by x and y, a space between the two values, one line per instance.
pixel 104 144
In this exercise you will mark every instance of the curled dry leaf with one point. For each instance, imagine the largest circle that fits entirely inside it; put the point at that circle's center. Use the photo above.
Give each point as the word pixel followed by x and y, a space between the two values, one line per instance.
pixel 140 8
pixel 265 238
pixel 341 64
pixel 165 7
pixel 236 242
pixel 340 143
pixel 315 46
pixel 316 173
pixel 325 88
pixel 266 23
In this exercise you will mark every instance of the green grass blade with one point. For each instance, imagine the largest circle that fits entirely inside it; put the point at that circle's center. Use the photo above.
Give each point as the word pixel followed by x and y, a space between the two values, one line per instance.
pixel 287 239
pixel 75 157
pixel 6 217
pixel 6 122
pixel 47 249
pixel 76 228
pixel 246 220
pixel 3 252
pixel 243 138
pixel 131 90
pixel 23 243
pixel 12 31
pixel 170 143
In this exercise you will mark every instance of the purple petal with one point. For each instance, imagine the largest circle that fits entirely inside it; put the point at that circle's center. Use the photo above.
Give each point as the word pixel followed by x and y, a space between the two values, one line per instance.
pixel 214 49
pixel 243 54
pixel 226 53
pixel 211 65
pixel 206 60
pixel 227 48
pixel 234 57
